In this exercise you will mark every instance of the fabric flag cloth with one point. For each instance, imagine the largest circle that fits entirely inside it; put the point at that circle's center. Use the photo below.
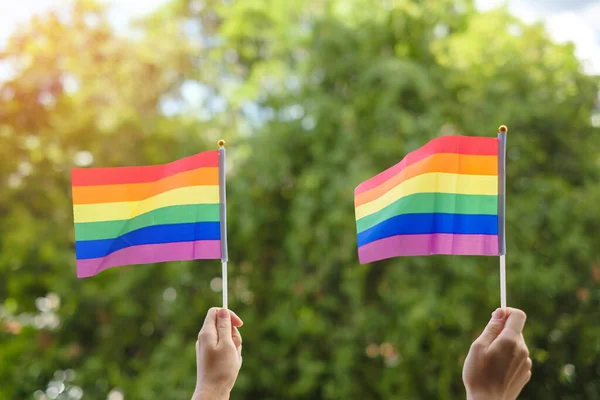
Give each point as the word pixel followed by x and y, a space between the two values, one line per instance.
pixel 148 214
pixel 440 199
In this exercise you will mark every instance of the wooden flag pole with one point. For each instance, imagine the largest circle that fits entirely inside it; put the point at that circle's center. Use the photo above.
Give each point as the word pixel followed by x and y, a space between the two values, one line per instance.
pixel 223 219
pixel 502 133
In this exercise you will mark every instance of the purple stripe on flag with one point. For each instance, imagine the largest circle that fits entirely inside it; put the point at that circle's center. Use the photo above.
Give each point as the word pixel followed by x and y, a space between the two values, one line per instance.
pixel 425 245
pixel 151 253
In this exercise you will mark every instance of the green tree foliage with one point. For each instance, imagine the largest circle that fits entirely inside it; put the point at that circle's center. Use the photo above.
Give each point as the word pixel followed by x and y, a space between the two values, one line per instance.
pixel 313 97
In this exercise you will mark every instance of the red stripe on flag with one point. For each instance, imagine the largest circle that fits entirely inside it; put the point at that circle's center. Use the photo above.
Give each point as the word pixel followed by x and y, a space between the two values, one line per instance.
pixel 144 174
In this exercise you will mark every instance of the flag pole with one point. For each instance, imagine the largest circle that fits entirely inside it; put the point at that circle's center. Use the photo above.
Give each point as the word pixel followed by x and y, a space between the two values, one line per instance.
pixel 502 133
pixel 223 219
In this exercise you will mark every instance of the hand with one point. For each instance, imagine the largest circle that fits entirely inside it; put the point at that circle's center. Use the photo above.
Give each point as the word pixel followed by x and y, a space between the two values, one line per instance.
pixel 498 365
pixel 218 355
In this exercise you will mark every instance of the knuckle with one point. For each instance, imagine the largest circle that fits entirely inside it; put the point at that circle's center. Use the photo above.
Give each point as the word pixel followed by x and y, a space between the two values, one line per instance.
pixel 477 346
pixel 522 352
pixel 204 336
pixel 529 363
pixel 521 315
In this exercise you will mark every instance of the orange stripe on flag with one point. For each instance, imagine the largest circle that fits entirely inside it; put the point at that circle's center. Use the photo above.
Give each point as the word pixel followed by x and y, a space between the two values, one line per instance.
pixel 140 191
pixel 442 162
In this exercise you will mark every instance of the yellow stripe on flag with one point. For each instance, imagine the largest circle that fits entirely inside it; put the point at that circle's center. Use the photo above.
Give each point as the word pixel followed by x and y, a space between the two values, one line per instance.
pixel 131 209
pixel 432 183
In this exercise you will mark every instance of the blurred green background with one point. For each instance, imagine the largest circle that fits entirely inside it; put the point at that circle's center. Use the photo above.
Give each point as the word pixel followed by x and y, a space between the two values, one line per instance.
pixel 313 97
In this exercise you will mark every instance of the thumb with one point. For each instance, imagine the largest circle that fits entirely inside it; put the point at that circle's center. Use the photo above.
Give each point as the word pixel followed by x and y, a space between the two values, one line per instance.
pixel 493 328
pixel 224 325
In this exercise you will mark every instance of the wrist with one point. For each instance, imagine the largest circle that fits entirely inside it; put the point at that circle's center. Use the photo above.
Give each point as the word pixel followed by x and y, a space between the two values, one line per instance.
pixel 481 395
pixel 211 394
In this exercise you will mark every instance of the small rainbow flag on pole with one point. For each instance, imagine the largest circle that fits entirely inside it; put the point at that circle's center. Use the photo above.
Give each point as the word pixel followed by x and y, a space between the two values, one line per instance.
pixel 149 214
pixel 446 197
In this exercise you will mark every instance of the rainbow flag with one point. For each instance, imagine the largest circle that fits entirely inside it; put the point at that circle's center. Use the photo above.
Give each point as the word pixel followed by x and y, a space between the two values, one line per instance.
pixel 440 199
pixel 149 214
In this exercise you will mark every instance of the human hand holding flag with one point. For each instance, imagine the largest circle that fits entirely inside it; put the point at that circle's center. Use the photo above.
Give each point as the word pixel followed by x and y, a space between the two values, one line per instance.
pixel 218 355
pixel 498 364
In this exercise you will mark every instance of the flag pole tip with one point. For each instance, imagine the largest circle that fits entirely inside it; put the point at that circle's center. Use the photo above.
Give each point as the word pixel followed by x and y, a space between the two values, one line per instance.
pixel 503 129
pixel 221 143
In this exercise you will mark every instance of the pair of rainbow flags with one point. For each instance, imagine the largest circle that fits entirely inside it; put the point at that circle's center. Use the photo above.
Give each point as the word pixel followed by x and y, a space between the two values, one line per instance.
pixel 447 197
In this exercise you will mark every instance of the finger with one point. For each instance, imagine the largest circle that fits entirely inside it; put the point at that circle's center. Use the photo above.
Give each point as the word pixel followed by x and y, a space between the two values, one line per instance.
pixel 515 322
pixel 224 326
pixel 525 366
pixel 208 334
pixel 520 379
pixel 236 337
pixel 520 361
pixel 235 320
pixel 493 328
pixel 239 352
